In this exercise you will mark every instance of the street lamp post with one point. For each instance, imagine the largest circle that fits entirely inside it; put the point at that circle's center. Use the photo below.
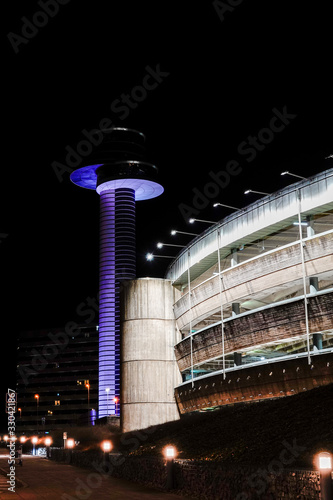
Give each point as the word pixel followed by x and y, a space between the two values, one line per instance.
pixel 88 387
pixel 37 404
pixel 257 192
pixel 161 245
pixel 201 220
pixel 34 441
pixel 115 399
pixel 175 231
pixel 294 175
pixel 22 441
pixel 226 206
pixel 151 256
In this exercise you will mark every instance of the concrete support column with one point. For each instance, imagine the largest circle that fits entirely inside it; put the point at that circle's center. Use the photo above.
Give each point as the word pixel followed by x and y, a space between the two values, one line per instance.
pixel 149 371
pixel 237 358
pixel 310 229
pixel 314 284
pixel 234 257
pixel 235 308
pixel 317 339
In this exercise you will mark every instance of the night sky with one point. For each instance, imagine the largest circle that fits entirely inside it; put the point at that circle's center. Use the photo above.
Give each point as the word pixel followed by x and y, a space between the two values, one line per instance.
pixel 218 74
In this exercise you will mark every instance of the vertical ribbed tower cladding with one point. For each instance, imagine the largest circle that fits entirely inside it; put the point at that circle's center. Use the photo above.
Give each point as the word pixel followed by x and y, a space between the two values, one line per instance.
pixel 121 176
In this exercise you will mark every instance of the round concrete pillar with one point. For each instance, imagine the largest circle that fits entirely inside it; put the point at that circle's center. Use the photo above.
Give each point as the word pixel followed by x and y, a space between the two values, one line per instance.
pixel 149 371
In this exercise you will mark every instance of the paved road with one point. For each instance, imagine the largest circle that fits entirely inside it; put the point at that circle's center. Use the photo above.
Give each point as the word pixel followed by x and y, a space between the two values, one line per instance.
pixel 47 480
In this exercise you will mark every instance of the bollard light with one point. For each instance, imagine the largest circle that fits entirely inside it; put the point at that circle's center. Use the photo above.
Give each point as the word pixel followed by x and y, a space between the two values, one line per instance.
pixel 48 441
pixel 34 441
pixel 169 452
pixel 70 443
pixel 70 446
pixel 106 446
pixel 324 462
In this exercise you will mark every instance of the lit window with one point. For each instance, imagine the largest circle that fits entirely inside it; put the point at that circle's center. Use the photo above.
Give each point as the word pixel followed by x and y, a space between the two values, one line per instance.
pixel 57 403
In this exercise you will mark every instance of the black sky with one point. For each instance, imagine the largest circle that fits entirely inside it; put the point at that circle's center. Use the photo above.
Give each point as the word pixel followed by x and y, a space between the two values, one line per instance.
pixel 223 80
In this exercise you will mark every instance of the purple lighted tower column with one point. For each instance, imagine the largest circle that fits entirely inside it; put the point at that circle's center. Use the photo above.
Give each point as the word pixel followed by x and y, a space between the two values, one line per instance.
pixel 121 177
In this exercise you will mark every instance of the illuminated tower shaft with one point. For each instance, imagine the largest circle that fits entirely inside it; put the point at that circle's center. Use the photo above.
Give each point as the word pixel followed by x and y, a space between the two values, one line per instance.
pixel 117 262
pixel 121 178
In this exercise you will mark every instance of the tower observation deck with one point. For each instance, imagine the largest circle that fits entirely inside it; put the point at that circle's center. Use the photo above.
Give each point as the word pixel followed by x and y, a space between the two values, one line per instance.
pixel 121 176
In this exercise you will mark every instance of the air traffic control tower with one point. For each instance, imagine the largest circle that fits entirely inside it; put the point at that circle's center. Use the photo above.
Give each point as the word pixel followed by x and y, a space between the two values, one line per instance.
pixel 121 176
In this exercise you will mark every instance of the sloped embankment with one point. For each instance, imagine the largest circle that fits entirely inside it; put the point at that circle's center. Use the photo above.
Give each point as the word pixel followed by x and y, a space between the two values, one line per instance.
pixel 245 434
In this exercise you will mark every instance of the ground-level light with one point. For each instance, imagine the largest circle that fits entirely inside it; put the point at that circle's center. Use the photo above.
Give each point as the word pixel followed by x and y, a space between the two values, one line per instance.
pixel 34 441
pixel 106 446
pixel 70 443
pixel 48 441
pixel 170 452
pixel 324 463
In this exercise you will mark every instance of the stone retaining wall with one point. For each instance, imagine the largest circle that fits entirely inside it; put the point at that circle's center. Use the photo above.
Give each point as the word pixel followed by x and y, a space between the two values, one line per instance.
pixel 204 481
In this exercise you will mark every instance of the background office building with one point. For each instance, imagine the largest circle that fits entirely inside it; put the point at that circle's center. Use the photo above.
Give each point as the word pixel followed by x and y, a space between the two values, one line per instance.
pixel 57 378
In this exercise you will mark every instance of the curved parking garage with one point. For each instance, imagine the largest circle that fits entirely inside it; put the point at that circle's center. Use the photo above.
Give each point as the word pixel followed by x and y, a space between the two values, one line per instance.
pixel 256 292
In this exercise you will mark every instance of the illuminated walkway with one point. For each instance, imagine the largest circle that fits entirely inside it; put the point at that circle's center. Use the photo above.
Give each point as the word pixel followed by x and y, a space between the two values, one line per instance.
pixel 43 479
